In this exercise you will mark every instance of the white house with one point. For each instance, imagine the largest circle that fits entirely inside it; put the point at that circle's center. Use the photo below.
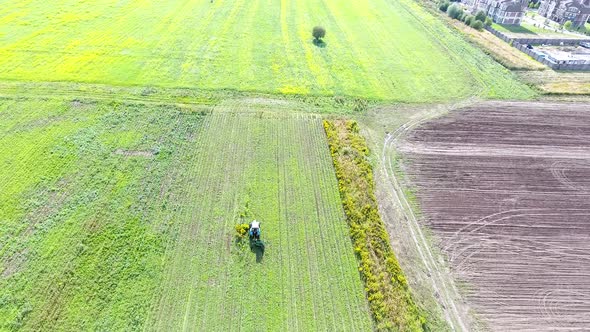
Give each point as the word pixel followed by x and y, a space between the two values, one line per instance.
pixel 501 11
pixel 561 11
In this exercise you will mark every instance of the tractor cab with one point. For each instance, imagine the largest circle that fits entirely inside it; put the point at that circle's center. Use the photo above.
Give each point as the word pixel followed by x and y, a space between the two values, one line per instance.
pixel 254 230
pixel 256 244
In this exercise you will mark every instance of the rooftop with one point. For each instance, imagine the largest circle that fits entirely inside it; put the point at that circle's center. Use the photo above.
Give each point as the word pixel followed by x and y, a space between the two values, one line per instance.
pixel 566 53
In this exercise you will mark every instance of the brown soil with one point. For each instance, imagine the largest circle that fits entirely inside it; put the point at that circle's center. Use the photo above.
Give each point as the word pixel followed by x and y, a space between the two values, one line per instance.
pixel 505 187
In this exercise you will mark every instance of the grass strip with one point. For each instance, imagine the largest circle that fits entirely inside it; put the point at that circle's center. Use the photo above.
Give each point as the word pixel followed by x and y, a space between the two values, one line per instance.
pixel 390 301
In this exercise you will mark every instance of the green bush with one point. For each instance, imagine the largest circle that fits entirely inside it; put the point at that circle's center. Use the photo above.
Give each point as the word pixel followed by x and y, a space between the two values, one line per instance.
pixel 468 19
pixel 318 32
pixel 477 24
pixel 568 25
pixel 444 6
pixel 481 16
pixel 488 22
pixel 455 11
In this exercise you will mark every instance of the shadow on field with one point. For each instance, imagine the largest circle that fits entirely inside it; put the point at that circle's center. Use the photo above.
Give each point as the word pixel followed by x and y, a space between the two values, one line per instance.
pixel 257 249
pixel 319 43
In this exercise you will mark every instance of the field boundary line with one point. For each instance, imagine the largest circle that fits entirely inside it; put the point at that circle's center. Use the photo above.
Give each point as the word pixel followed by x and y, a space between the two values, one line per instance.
pixel 444 287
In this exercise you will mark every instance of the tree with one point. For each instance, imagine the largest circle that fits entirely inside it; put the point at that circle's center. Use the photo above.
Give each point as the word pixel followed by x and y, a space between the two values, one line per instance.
pixel 455 11
pixel 468 19
pixel 481 15
pixel 568 25
pixel 444 6
pixel 477 24
pixel 488 22
pixel 318 33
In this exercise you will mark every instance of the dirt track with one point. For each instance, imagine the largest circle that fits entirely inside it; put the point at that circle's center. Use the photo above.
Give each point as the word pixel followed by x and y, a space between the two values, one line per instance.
pixel 506 189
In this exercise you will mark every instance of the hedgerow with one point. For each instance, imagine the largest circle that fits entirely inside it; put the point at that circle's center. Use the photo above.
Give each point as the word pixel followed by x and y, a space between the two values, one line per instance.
pixel 386 287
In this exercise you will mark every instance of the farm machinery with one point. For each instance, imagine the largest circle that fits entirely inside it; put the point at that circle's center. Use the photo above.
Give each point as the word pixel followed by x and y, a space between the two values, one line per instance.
pixel 254 235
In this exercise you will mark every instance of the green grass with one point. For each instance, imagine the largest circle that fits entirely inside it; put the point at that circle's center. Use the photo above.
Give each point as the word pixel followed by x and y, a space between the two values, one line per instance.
pixel 81 232
pixel 378 49
pixel 193 98
pixel 530 31
pixel 523 29
pixel 121 217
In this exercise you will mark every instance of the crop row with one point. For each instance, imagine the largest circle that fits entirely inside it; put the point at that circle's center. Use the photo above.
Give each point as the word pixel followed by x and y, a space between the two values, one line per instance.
pixel 274 169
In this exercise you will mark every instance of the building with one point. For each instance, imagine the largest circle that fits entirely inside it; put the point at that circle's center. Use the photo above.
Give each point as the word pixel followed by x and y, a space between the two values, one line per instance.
pixel 501 11
pixel 561 11
pixel 569 55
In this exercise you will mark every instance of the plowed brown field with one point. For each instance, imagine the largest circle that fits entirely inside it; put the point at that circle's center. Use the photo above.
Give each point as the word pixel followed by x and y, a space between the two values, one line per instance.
pixel 505 187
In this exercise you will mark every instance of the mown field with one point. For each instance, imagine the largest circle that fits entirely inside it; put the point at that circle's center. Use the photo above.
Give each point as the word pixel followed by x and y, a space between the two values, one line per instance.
pixel 121 217
pixel 376 49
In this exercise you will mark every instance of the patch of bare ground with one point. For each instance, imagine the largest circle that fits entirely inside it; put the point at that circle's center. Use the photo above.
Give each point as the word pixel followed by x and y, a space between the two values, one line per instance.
pixel 505 189
pixel 14 263
pixel 52 200
pixel 135 153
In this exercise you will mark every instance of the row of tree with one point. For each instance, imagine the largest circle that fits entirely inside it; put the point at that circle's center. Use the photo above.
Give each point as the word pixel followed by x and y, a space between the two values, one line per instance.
pixel 455 11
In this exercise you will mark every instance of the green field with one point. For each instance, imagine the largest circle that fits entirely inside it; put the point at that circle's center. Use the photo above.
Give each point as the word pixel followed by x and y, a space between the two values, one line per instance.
pixel 121 217
pixel 135 135
pixel 377 49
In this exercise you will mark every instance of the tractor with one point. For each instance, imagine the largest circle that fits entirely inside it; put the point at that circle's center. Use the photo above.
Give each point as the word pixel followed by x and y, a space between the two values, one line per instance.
pixel 254 234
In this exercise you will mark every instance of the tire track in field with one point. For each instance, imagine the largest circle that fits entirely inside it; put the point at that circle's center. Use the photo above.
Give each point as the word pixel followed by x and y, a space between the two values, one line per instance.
pixel 308 241
pixel 245 150
pixel 182 157
pixel 249 170
pixel 298 225
pixel 333 217
pixel 176 245
pixel 192 235
pixel 558 170
pixel 182 205
pixel 228 167
pixel 210 219
pixel 287 199
pixel 445 291
pixel 281 212
pixel 174 177
pixel 309 153
pixel 312 144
